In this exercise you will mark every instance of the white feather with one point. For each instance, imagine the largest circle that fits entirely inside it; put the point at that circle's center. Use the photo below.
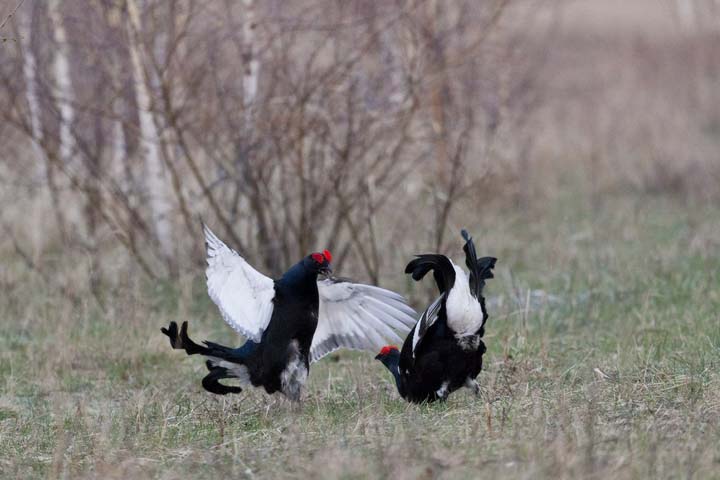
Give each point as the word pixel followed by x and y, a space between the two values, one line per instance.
pixel 357 316
pixel 239 371
pixel 429 316
pixel 294 376
pixel 243 295
pixel 351 315
pixel 464 314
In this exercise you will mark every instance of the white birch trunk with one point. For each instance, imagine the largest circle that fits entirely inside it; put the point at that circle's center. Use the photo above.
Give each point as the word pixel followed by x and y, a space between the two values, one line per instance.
pixel 61 69
pixel 119 147
pixel 252 65
pixel 31 93
pixel 41 171
pixel 157 184
pixel 119 142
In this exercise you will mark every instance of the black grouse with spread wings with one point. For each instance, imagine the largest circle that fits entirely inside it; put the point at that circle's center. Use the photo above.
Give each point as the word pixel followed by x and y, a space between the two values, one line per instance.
pixel 289 322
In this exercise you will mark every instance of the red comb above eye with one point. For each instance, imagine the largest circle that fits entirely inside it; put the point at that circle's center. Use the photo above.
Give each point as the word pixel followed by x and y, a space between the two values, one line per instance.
pixel 318 257
pixel 387 349
pixel 327 255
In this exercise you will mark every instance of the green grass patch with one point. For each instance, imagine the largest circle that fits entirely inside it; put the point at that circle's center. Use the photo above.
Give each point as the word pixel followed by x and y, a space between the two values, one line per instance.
pixel 617 376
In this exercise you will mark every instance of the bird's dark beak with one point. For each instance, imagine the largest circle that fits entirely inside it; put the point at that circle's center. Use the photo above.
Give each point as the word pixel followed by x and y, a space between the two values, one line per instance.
pixel 325 271
pixel 377 357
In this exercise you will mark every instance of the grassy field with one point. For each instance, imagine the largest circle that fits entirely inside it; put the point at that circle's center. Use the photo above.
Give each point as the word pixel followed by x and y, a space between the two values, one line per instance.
pixel 616 376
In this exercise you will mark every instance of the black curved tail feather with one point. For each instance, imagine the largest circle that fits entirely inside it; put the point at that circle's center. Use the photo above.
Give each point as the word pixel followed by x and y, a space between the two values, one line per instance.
pixel 472 264
pixel 211 381
pixel 180 340
pixel 441 266
pixel 480 269
pixel 485 266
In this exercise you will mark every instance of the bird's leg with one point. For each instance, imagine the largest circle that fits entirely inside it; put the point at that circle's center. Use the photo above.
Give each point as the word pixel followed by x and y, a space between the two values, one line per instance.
pixel 443 391
pixel 181 341
pixel 473 385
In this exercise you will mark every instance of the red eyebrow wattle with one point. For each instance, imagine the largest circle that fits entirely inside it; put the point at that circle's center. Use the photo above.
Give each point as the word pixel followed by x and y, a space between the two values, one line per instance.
pixel 387 349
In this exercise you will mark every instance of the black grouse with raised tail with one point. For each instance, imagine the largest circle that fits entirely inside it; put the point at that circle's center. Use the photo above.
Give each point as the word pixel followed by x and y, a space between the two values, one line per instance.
pixel 443 352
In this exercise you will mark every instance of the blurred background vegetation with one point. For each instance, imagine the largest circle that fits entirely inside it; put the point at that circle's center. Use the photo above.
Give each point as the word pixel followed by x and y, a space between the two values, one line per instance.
pixel 354 126
pixel 577 140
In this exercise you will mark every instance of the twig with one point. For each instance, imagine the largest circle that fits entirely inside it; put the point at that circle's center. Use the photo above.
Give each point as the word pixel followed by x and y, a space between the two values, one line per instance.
pixel 18 248
pixel 11 14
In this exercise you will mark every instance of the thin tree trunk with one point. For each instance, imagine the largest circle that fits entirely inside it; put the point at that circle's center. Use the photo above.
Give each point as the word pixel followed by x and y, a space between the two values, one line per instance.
pixel 61 70
pixel 119 147
pixel 251 65
pixel 439 98
pixel 94 198
pixel 157 185
pixel 28 28
pixel 119 144
pixel 251 68
pixel 29 65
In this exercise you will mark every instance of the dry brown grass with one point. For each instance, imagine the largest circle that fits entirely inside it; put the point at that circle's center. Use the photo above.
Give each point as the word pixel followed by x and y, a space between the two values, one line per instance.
pixel 612 209
pixel 619 378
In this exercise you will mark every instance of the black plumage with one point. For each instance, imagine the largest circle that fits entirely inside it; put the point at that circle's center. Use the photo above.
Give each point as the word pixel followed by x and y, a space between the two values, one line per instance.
pixel 289 322
pixel 444 351
pixel 280 361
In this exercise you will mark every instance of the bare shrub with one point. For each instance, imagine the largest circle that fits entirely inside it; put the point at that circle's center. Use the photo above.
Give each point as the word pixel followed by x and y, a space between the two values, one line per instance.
pixel 350 126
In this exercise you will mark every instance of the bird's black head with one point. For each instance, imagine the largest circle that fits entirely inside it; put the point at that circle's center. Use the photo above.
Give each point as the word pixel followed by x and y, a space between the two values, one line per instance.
pixel 389 355
pixel 319 263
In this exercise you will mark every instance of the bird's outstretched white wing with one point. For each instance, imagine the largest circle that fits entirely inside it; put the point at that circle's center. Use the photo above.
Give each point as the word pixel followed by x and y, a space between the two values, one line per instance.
pixel 359 317
pixel 243 295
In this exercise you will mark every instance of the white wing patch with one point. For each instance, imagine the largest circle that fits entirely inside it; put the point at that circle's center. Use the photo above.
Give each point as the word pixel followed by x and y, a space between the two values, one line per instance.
pixel 429 316
pixel 359 317
pixel 464 314
pixel 239 371
pixel 243 295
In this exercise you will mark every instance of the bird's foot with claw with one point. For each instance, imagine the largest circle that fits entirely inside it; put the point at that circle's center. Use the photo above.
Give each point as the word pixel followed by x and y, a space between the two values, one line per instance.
pixel 179 340
pixel 173 335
